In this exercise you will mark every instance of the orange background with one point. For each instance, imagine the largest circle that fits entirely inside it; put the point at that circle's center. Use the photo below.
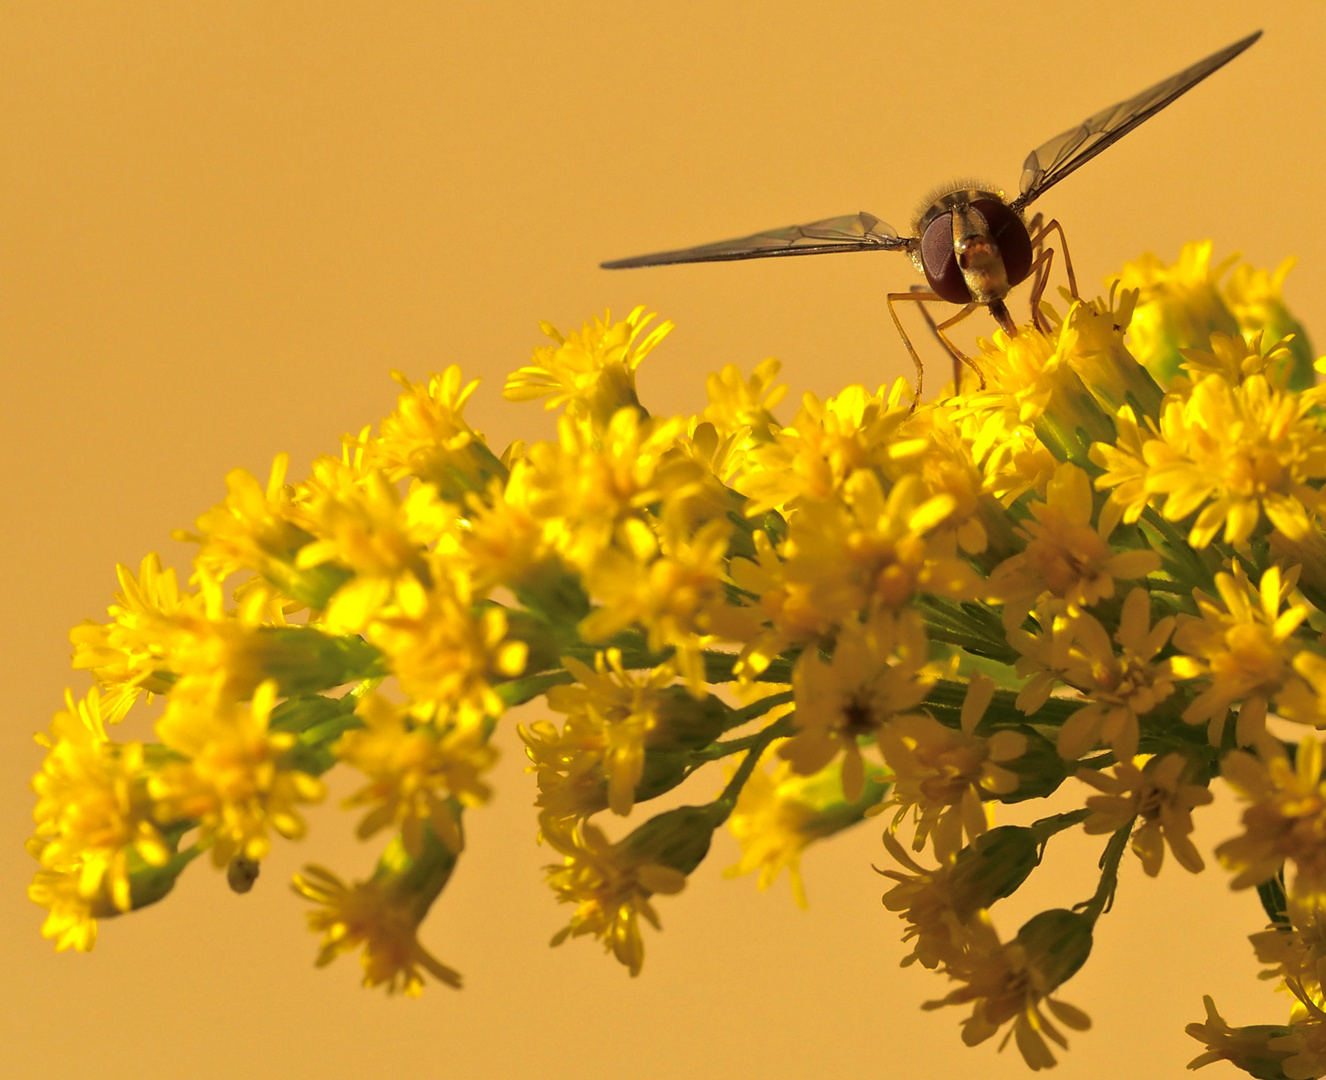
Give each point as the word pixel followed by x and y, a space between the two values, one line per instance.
pixel 223 223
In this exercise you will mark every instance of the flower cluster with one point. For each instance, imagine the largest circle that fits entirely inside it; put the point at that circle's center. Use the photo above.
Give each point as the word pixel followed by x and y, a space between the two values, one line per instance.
pixel 1105 568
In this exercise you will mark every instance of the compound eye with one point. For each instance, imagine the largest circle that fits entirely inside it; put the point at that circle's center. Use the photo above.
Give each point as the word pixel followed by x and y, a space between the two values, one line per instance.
pixel 1010 236
pixel 939 262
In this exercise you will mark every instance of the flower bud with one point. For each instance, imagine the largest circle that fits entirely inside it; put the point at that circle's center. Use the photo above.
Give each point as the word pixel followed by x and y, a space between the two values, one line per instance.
pixel 1039 768
pixel 678 839
pixel 1058 942
pixel 991 867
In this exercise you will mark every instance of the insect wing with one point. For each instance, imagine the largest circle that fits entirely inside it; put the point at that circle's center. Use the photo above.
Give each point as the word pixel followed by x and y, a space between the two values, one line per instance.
pixel 1050 163
pixel 853 232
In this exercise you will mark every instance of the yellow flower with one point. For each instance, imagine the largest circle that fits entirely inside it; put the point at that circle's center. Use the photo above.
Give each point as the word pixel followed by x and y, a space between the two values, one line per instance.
pixel 93 808
pixel 1033 377
pixel 504 542
pixel 1156 796
pixel 869 548
pixel 1297 952
pixel 1012 981
pixel 1236 452
pixel 1286 818
pixel 936 447
pixel 1180 306
pixel 779 814
pixel 943 775
pixel 826 442
pixel 1119 687
pixel 362 523
pixel 804 608
pixel 1244 649
pixel 251 529
pixel 735 403
pixel 1253 295
pixel 1067 561
pixel 611 715
pixel 875 674
pixel 232 780
pixel 591 372
pixel 125 654
pixel 593 482
pixel 427 437
pixel 610 886
pixel 378 917
pixel 447 653
pixel 1125 465
pixel 414 772
pixel 1235 360
pixel 71 921
pixel 926 900
pixel 671 584
pixel 1248 1048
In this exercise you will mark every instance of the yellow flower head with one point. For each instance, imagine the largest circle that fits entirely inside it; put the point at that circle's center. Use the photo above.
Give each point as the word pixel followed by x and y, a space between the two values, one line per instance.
pixel 779 814
pixel 591 372
pixel 1180 307
pixel 93 808
pixel 251 529
pixel 611 714
pixel 362 523
pixel 1254 1049
pixel 126 654
pixel 504 542
pixel 944 775
pixel 1285 819
pixel 736 403
pixel 827 441
pixel 1013 981
pixel 1032 377
pixel 1158 800
pixel 926 901
pixel 590 483
pixel 1254 296
pixel 1235 360
pixel 1067 563
pixel 414 772
pixel 671 583
pixel 232 779
pixel 427 437
pixel 1236 452
pixel 1119 686
pixel 378 917
pixel 446 652
pixel 874 675
pixel 1297 951
pixel 71 920
pixel 610 886
pixel 1243 649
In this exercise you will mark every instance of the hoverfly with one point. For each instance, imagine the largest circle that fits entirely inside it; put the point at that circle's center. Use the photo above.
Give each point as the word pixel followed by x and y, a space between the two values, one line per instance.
pixel 971 244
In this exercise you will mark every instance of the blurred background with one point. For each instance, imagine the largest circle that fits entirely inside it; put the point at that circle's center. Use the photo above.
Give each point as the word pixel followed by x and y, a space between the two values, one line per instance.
pixel 221 224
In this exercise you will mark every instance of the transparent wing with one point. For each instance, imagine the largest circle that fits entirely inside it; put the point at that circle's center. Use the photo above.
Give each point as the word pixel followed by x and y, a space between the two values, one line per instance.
pixel 854 232
pixel 1049 164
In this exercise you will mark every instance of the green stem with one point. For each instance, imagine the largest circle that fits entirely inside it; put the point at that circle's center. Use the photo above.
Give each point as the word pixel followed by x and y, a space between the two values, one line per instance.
pixel 713 752
pixel 1048 826
pixel 758 744
pixel 1109 874
pixel 759 708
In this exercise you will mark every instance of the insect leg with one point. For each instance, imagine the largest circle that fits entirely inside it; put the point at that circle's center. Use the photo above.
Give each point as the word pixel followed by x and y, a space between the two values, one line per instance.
pixel 1041 269
pixel 1053 226
pixel 959 357
pixel 915 297
pixel 938 330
